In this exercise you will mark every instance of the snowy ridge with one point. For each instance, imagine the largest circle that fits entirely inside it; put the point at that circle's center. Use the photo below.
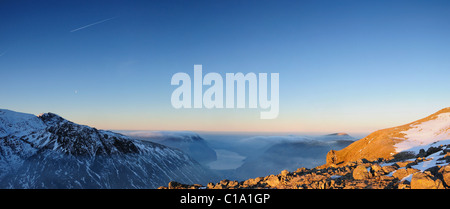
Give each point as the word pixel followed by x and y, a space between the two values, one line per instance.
pixel 425 133
pixel 51 152
pixel 189 142
pixel 397 141
pixel 19 124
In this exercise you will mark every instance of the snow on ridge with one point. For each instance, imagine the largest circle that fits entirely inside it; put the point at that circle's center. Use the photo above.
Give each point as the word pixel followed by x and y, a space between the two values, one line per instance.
pixel 433 160
pixel 19 124
pixel 422 134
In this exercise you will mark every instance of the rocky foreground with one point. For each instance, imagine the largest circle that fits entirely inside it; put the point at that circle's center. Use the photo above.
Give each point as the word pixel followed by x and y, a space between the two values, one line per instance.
pixel 429 169
pixel 411 156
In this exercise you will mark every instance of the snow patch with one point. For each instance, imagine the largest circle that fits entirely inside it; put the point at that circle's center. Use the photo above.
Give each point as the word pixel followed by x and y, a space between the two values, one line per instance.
pixel 424 165
pixel 407 178
pixel 425 133
pixel 18 124
pixel 335 176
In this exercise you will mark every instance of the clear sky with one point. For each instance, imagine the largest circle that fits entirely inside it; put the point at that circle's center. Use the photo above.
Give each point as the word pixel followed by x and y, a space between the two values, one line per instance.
pixel 345 66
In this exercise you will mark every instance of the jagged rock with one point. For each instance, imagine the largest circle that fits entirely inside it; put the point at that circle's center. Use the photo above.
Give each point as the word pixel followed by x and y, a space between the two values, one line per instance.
pixel 210 185
pixel 233 184
pixel 331 157
pixel 425 181
pixel 252 182
pixel 226 184
pixel 273 181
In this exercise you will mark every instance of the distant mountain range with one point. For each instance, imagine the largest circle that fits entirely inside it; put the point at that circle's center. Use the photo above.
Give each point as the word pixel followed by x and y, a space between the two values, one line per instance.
pixel 47 151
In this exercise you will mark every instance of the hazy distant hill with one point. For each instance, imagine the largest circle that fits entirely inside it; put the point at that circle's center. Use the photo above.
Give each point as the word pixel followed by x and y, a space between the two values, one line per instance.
pixel 188 142
pixel 290 155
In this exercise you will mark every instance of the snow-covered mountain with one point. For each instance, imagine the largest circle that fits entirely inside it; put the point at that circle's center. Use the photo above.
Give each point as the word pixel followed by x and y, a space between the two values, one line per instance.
pixel 431 131
pixel 47 151
pixel 189 142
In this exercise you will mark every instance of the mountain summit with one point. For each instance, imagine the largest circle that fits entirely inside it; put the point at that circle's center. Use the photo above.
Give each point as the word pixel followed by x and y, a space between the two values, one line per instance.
pixel 48 151
pixel 387 143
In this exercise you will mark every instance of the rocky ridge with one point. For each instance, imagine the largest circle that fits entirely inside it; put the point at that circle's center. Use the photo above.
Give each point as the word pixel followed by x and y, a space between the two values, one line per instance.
pixel 50 152
pixel 411 156
pixel 428 170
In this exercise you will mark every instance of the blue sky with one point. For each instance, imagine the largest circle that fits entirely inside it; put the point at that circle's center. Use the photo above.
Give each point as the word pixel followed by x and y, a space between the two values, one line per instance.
pixel 347 66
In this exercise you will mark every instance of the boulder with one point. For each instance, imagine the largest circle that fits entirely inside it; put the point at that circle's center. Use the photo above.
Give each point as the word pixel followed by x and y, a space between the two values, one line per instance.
pixel 402 173
pixel 404 163
pixel 389 168
pixel 361 173
pixel 425 181
pixel 445 172
pixel 252 182
pixel 331 157
pixel 376 168
pixel 284 173
pixel 273 181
